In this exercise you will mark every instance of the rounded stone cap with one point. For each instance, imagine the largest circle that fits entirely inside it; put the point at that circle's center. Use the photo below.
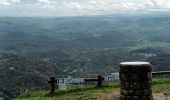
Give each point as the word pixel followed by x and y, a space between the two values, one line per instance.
pixel 135 67
pixel 134 63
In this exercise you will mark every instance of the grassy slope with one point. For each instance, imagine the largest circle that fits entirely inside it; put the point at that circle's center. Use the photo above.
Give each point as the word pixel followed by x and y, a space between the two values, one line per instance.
pixel 76 94
pixel 159 85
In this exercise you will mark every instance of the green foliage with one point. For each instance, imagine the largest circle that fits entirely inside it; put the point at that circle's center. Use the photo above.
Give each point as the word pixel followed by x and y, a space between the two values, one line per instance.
pixel 161 85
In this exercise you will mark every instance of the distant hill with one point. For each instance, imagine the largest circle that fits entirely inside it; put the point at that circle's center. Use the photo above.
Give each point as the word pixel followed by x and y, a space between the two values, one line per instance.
pixel 79 46
pixel 66 41
pixel 20 34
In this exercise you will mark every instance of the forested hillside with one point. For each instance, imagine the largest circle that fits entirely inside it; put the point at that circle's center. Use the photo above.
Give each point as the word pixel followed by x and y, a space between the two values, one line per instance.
pixel 19 74
pixel 34 48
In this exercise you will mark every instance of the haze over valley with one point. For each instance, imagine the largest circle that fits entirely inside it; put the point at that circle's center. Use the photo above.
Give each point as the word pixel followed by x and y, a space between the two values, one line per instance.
pixel 32 48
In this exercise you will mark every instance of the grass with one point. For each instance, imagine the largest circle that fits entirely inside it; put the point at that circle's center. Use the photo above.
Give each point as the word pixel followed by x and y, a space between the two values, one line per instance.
pixel 73 94
pixel 159 85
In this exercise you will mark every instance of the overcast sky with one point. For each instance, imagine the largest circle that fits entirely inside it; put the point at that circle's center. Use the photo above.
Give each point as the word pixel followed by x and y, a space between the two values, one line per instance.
pixel 79 7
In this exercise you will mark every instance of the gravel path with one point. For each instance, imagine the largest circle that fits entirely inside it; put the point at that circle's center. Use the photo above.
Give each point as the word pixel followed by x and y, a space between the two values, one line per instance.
pixel 161 96
pixel 115 96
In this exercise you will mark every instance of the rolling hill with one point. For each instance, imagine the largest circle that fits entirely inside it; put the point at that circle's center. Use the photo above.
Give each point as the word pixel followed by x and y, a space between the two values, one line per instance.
pixel 34 48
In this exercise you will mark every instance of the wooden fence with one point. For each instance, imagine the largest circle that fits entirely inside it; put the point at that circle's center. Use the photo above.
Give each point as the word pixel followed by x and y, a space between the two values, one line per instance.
pixel 52 81
pixel 161 73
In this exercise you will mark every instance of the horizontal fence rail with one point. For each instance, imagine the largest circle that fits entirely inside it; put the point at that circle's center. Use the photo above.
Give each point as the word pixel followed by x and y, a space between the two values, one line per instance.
pixel 160 72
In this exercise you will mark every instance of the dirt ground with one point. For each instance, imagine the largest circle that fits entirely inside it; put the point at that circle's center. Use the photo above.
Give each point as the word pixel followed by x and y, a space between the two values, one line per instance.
pixel 115 96
pixel 161 96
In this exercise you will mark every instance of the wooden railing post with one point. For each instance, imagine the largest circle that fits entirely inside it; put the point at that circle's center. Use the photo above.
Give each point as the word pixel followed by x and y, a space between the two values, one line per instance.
pixel 52 85
pixel 99 81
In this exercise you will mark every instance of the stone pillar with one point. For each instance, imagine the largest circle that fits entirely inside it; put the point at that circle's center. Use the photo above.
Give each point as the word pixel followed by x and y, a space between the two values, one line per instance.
pixel 135 81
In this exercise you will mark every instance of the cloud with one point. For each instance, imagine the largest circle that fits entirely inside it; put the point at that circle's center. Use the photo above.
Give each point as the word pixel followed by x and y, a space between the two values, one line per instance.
pixel 44 1
pixel 80 7
pixel 72 5
pixel 145 5
pixel 9 2
pixel 4 2
pixel 15 1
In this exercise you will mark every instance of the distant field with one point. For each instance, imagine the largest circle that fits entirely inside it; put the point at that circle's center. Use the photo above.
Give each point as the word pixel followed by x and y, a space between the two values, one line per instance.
pixel 159 86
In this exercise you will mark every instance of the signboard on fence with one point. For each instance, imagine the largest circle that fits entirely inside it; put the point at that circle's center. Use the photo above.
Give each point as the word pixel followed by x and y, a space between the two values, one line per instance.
pixel 112 77
pixel 71 80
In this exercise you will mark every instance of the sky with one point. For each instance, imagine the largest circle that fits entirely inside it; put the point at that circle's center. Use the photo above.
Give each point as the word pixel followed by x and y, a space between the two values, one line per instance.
pixel 42 8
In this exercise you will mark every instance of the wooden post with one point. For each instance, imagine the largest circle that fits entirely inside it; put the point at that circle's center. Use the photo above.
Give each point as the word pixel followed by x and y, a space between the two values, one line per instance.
pixel 52 85
pixel 99 81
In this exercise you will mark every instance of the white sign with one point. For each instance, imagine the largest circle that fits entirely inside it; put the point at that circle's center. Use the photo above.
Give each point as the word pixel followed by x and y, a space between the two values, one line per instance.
pixel 112 77
pixel 70 80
